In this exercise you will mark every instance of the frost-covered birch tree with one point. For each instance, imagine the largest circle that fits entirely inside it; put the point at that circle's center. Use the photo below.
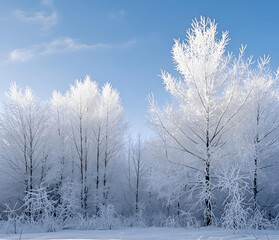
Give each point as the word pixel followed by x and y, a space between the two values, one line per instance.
pixel 261 128
pixel 138 169
pixel 113 133
pixel 207 99
pixel 60 129
pixel 24 127
pixel 81 100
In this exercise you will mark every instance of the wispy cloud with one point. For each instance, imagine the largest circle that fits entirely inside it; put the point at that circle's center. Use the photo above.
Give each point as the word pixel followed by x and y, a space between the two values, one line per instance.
pixel 48 3
pixel 62 45
pixel 117 14
pixel 46 18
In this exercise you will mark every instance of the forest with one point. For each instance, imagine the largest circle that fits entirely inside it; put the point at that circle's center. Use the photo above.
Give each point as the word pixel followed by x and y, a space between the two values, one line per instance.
pixel 72 163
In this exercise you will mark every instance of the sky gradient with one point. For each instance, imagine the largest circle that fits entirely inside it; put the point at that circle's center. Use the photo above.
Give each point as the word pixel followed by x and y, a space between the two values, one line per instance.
pixel 47 45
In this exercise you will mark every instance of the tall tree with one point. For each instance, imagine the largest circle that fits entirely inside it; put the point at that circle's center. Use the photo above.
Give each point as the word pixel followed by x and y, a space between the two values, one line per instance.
pixel 208 97
pixel 262 122
pixel 114 130
pixel 82 99
pixel 24 125
pixel 60 127
pixel 139 169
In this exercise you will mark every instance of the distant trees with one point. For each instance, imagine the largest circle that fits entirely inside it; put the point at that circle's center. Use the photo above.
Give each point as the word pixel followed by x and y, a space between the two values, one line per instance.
pixel 137 176
pixel 97 131
pixel 47 143
pixel 139 170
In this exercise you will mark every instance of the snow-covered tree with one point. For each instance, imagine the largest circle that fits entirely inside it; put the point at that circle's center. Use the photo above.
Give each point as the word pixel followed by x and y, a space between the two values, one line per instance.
pixel 60 128
pixel 81 99
pixel 208 97
pixel 108 128
pixel 261 128
pixel 24 127
pixel 139 169
pixel 113 133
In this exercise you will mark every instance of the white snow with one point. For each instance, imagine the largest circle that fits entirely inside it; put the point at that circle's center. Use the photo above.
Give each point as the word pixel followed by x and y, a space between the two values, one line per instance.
pixel 152 234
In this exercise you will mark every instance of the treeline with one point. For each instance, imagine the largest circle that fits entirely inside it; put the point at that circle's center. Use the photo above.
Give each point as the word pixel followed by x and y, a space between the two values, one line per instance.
pixel 71 163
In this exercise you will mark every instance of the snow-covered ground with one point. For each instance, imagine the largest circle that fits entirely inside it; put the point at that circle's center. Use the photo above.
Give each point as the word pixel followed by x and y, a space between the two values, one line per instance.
pixel 151 233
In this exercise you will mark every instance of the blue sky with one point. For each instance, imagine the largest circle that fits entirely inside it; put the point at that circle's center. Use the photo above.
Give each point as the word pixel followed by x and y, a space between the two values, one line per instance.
pixel 49 44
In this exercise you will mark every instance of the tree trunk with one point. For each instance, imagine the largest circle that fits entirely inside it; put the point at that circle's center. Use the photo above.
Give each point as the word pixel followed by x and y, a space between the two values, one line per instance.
pixel 98 171
pixel 255 180
pixel 81 164
pixel 137 185
pixel 178 209
pixel 208 207
pixel 137 197
pixel 105 190
pixel 85 179
pixel 31 168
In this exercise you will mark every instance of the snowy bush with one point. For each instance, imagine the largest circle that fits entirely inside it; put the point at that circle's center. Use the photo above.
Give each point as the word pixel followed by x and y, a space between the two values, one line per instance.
pixel 186 219
pixel 155 219
pixel 137 220
pixel 235 215
pixel 259 220
pixel 106 220
pixel 171 222
pixel 68 206
pixel 40 209
pixel 13 224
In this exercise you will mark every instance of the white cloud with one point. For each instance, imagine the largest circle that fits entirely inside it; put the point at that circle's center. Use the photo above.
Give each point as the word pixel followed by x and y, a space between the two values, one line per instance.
pixel 46 19
pixel 62 45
